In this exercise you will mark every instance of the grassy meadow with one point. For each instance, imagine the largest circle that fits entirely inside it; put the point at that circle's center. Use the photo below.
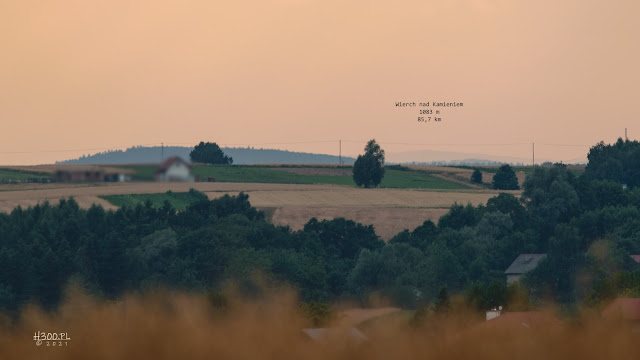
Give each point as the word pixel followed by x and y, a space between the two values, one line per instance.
pixel 179 200
pixel 11 175
pixel 395 177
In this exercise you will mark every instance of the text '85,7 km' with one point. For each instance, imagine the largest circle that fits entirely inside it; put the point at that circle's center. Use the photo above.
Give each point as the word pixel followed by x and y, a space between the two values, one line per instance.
pixel 429 111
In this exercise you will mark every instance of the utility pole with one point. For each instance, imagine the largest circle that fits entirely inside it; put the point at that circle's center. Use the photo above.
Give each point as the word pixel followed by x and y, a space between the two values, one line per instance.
pixel 533 154
pixel 625 135
pixel 162 150
pixel 340 145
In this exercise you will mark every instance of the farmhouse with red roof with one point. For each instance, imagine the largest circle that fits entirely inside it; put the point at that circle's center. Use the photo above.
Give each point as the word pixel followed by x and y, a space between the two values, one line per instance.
pixel 174 169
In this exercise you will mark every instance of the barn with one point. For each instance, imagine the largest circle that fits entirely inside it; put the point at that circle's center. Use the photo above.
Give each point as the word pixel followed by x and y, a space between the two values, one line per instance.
pixel 174 169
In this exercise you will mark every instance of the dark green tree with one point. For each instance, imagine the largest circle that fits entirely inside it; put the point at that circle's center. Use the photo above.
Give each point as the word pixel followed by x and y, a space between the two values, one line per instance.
pixel 421 237
pixel 460 216
pixel 209 153
pixel 550 198
pixel 318 312
pixel 510 205
pixel 343 238
pixel 443 303
pixel 505 179
pixel 476 177
pixel 368 170
pixel 475 297
pixel 619 162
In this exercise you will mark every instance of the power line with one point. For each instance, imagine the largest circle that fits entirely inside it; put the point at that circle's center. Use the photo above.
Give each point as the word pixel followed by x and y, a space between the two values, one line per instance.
pixel 575 159
pixel 283 143
pixel 288 143
pixel 568 145
pixel 440 144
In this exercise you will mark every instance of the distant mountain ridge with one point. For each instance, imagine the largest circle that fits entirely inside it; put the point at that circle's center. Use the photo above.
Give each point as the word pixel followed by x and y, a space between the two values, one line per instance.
pixel 463 162
pixel 242 156
pixel 433 157
pixel 156 154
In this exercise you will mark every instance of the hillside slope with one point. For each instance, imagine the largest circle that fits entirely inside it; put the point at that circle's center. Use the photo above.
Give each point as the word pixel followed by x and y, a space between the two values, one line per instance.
pixel 155 154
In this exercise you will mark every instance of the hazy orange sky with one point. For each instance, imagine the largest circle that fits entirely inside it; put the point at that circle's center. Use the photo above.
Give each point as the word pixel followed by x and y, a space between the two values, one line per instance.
pixel 77 77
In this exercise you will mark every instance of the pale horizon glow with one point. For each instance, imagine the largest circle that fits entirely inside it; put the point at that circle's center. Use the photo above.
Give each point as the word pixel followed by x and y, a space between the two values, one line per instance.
pixel 83 77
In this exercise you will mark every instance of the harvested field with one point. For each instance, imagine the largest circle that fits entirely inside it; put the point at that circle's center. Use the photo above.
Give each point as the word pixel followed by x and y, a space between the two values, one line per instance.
pixel 262 194
pixel 26 195
pixel 84 201
pixel 387 221
pixel 67 189
pixel 388 210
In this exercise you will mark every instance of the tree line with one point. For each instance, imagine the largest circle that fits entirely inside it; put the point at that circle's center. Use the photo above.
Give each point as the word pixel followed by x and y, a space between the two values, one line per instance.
pixel 587 225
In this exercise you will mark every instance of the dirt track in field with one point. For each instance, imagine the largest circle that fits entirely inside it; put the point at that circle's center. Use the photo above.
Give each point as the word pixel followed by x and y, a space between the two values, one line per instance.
pixel 463 176
pixel 388 210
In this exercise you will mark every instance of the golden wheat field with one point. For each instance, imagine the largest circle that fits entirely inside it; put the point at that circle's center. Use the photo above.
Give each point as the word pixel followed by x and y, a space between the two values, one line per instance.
pixel 168 325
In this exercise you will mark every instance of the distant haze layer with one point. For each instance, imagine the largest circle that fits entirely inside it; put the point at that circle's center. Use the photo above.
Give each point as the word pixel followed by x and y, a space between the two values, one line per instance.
pixel 141 155
pixel 80 77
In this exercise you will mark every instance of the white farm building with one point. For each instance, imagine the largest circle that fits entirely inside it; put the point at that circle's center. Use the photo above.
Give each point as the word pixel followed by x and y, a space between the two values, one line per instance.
pixel 174 169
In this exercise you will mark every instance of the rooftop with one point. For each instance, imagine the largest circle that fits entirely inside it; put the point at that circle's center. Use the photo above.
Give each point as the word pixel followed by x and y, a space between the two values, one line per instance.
pixel 170 161
pixel 525 263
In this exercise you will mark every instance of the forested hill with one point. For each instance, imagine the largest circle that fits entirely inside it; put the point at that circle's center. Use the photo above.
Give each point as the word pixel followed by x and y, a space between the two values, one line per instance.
pixel 141 155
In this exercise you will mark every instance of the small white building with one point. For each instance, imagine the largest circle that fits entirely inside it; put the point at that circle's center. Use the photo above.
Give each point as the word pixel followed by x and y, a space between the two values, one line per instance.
pixel 174 169
pixel 494 313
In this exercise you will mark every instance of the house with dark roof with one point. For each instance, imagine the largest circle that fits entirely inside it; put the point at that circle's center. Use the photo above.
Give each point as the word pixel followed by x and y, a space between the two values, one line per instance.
pixel 522 264
pixel 174 169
